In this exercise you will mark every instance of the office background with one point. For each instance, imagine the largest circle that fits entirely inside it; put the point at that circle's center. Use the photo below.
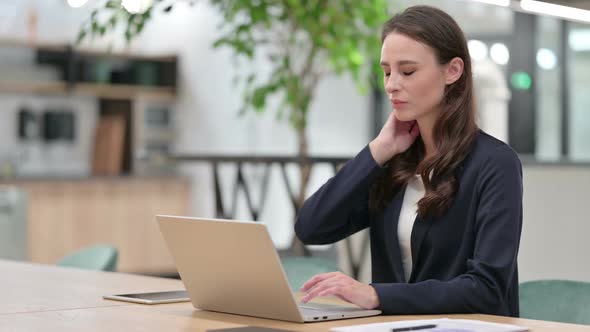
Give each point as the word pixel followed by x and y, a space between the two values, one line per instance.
pixel 545 80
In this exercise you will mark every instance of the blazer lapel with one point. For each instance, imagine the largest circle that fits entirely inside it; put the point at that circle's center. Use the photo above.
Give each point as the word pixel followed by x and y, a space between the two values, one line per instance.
pixel 391 217
pixel 419 232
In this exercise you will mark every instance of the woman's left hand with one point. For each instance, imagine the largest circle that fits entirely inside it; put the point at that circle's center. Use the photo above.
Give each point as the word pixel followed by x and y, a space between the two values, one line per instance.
pixel 342 286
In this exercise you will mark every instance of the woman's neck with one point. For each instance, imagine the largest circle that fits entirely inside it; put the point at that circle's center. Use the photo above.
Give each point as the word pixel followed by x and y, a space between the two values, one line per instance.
pixel 426 125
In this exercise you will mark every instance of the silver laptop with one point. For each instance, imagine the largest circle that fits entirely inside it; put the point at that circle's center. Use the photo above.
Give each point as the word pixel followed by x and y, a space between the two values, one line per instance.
pixel 232 267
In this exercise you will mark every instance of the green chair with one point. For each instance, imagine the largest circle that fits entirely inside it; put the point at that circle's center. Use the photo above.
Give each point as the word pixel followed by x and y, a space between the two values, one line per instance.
pixel 99 257
pixel 556 300
pixel 301 269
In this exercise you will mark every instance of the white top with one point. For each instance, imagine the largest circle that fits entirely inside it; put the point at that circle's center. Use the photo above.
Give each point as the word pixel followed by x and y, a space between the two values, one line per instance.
pixel 414 192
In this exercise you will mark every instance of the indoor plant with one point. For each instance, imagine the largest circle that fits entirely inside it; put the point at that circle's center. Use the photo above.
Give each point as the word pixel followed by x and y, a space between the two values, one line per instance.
pixel 304 40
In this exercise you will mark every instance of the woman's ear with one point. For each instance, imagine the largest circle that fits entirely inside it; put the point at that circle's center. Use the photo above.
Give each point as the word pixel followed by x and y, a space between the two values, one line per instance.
pixel 454 70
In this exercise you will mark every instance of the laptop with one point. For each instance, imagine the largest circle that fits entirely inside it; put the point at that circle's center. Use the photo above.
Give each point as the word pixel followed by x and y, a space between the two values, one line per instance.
pixel 232 267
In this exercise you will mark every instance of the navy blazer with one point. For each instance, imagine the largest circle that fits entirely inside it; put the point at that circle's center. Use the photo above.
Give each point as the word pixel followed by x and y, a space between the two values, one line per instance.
pixel 463 261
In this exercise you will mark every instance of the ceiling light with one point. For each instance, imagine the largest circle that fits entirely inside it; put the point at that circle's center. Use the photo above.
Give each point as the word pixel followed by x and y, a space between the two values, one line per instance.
pixel 555 10
pixel 546 59
pixel 579 40
pixel 503 3
pixel 77 3
pixel 136 6
pixel 477 49
pixel 500 53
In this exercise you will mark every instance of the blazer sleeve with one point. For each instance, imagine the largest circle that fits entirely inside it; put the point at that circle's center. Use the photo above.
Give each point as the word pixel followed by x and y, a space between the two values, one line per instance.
pixel 483 288
pixel 340 207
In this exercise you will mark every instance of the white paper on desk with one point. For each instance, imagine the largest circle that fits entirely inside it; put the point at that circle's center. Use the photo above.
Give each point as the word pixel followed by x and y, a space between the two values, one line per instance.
pixel 442 325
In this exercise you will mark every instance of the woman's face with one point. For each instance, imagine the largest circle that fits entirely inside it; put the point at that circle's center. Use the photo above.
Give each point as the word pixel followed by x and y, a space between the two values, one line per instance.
pixel 414 80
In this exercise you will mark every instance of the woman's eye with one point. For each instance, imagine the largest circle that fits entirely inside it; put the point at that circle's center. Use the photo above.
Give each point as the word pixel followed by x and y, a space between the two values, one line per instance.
pixel 386 74
pixel 408 73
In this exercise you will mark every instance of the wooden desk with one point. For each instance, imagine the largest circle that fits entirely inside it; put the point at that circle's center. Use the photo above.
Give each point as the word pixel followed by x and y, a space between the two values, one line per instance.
pixel 46 298
pixel 26 287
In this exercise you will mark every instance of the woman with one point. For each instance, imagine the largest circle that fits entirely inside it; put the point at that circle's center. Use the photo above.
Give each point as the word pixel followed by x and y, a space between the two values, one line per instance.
pixel 442 199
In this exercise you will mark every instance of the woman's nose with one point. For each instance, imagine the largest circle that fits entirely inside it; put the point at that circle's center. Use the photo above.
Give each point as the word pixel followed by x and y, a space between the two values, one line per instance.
pixel 392 84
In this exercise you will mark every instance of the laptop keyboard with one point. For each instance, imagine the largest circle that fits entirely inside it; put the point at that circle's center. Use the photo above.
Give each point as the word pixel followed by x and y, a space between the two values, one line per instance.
pixel 321 308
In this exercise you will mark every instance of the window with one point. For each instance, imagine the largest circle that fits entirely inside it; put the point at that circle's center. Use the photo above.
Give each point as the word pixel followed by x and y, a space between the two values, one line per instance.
pixel 532 77
pixel 579 96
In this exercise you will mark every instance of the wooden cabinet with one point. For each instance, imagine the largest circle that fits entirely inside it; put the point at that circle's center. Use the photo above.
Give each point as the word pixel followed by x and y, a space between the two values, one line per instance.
pixel 66 215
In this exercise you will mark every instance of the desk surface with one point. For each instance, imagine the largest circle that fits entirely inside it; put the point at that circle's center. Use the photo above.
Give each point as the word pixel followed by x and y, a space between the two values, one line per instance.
pixel 34 287
pixel 48 298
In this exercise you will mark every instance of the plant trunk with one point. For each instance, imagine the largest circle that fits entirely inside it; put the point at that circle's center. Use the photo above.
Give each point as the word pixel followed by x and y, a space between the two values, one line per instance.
pixel 304 172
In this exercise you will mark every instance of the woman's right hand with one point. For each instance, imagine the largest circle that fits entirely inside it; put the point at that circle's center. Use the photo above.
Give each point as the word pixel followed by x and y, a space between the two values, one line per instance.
pixel 395 137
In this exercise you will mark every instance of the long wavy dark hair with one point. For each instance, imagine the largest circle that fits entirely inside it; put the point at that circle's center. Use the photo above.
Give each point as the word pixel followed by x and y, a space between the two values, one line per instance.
pixel 455 129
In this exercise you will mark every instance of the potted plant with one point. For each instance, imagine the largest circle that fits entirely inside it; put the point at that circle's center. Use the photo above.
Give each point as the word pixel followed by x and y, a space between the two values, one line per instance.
pixel 305 40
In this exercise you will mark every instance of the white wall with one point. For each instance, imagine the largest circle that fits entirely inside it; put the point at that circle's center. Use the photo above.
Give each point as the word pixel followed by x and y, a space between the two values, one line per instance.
pixel 556 223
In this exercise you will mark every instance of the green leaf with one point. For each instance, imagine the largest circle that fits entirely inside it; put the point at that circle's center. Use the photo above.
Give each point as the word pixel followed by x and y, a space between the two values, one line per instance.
pixel 95 27
pixel 132 17
pixel 113 21
pixel 355 58
pixel 128 35
pixel 139 27
pixel 113 4
pixel 251 78
pixel 81 36
pixel 344 33
pixel 219 42
pixel 243 28
pixel 259 98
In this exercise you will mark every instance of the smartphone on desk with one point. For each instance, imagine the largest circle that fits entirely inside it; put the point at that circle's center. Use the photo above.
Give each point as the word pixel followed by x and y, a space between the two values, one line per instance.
pixel 152 298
